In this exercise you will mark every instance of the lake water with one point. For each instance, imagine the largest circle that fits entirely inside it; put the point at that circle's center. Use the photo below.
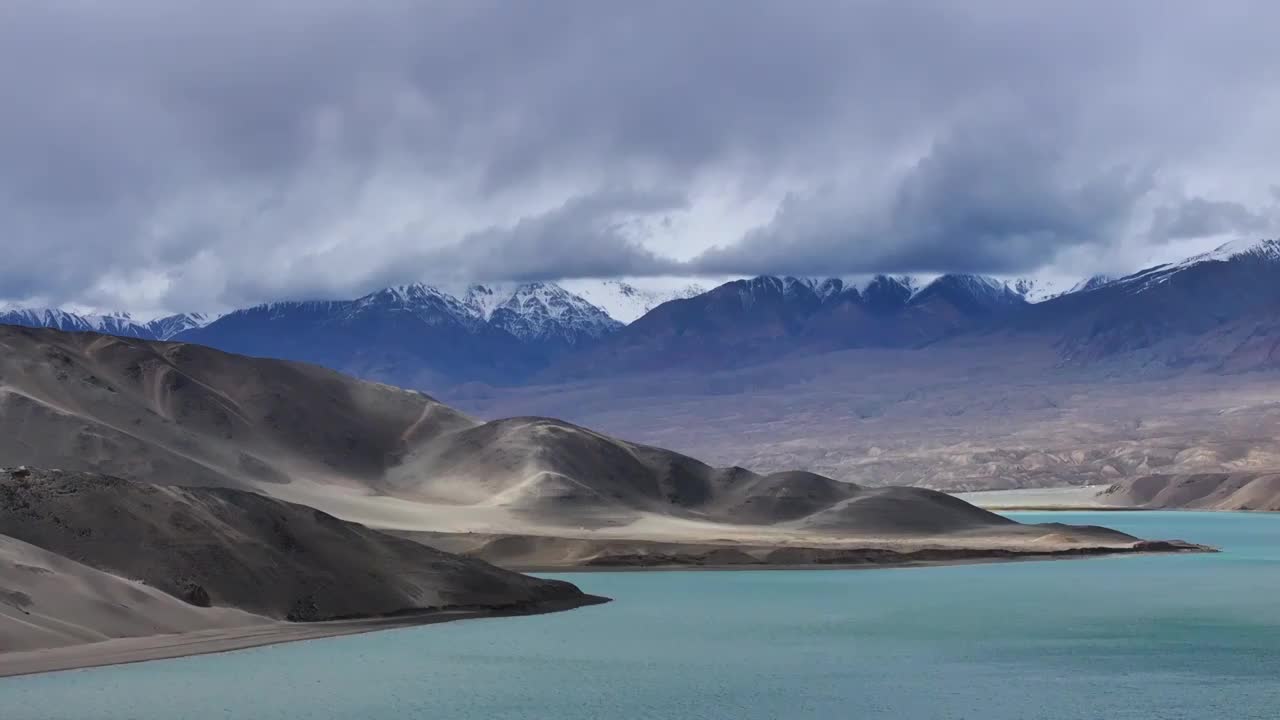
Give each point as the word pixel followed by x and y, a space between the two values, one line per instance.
pixel 1149 638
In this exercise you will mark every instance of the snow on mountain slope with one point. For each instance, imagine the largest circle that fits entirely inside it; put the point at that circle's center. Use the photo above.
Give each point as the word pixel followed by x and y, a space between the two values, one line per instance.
pixel 1036 289
pixel 44 317
pixel 482 300
pixel 118 323
pixel 1263 250
pixel 1093 283
pixel 121 324
pixel 970 293
pixel 426 303
pixel 1266 252
pixel 625 301
pixel 545 312
pixel 166 327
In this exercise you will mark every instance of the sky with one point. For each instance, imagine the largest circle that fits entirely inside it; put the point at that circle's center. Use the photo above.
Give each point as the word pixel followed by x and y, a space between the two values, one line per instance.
pixel 168 155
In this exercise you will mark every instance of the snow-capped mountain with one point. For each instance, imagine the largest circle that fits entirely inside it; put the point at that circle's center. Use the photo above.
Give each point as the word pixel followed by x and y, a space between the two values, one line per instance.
pixel 169 326
pixel 973 295
pixel 419 335
pixel 755 319
pixel 1266 250
pixel 534 312
pixel 427 304
pixel 546 312
pixel 625 301
pixel 423 336
pixel 481 300
pixel 121 324
pixel 45 317
pixel 1165 311
pixel 1238 253
pixel 1039 289
pixel 1093 282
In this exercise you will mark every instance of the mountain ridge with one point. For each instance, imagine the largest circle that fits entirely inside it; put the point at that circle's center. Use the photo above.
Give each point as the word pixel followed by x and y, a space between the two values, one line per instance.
pixel 1208 310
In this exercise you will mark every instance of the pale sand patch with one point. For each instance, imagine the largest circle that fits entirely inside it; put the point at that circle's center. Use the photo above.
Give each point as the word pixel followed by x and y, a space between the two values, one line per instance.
pixel 1083 496
pixel 48 601
pixel 203 642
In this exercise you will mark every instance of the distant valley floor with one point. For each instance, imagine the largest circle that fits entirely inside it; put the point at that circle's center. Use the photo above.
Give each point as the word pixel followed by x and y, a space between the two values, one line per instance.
pixel 954 418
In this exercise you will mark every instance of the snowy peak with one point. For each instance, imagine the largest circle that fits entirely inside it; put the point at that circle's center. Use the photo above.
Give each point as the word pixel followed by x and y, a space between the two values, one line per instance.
pixel 545 312
pixel 482 300
pixel 44 317
pixel 532 312
pixel 884 293
pixel 1238 253
pixel 120 324
pixel 1037 290
pixel 416 296
pixel 424 303
pixel 1092 282
pixel 167 327
pixel 626 301
pixel 973 294
pixel 1257 250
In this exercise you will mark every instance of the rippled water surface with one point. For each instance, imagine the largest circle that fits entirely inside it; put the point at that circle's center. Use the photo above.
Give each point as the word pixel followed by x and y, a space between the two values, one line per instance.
pixel 1152 637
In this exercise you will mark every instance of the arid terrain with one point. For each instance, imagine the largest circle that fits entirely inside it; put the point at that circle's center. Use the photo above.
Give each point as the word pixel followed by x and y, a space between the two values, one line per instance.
pixel 953 418
pixel 1205 491
pixel 96 568
pixel 194 491
pixel 188 415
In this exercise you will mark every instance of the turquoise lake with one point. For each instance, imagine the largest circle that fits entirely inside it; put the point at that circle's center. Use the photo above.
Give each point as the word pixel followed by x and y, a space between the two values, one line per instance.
pixel 1148 638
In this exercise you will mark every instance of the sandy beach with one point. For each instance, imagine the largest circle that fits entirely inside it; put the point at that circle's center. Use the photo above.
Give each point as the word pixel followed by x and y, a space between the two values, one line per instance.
pixel 160 647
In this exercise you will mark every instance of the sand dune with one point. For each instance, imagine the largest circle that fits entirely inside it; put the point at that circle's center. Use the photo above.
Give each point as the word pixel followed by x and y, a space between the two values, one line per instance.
pixel 1207 491
pixel 47 600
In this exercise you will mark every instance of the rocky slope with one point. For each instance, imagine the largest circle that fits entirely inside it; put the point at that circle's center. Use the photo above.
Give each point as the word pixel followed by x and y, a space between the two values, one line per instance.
pixel 234 549
pixel 1213 310
pixel 1203 491
pixel 747 322
pixel 49 601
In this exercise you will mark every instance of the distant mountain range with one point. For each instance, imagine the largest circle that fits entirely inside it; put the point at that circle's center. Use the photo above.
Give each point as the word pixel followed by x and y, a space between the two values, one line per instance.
pixel 121 324
pixel 1219 309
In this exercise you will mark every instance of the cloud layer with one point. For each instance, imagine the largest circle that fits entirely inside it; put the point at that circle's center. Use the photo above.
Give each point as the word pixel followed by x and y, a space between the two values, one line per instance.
pixel 175 155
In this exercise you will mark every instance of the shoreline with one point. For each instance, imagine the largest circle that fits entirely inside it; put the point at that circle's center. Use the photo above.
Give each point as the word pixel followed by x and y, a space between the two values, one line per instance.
pixel 1064 508
pixel 1121 508
pixel 691 563
pixel 126 651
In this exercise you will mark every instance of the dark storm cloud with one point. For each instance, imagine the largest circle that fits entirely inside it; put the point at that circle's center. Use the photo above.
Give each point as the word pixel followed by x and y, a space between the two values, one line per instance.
pixel 182 154
pixel 996 198
pixel 588 236
pixel 1199 217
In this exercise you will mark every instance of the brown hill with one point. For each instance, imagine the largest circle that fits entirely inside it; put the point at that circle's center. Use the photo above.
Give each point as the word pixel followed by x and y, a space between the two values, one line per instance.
pixel 231 548
pixel 1204 491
